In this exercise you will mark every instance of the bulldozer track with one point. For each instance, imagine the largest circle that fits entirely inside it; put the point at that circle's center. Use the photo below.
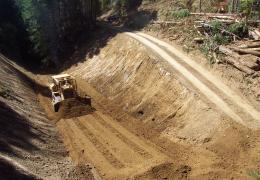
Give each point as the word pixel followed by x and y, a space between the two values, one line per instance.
pixel 112 149
pixel 136 147
pixel 98 144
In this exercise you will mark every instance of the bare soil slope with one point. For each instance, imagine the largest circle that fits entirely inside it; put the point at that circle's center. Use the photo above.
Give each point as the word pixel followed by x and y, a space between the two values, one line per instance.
pixel 146 96
pixel 30 146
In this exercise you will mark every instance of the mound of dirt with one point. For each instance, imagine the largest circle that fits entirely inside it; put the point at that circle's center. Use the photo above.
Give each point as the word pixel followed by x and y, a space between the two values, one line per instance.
pixel 82 172
pixel 71 108
pixel 166 171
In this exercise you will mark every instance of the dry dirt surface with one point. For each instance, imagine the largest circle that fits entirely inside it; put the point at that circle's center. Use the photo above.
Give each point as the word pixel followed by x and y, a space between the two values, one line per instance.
pixel 30 145
pixel 149 109
pixel 115 152
pixel 155 114
pixel 204 81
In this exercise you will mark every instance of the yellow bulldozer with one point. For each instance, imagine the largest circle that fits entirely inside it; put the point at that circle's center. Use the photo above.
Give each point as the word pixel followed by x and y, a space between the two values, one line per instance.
pixel 62 87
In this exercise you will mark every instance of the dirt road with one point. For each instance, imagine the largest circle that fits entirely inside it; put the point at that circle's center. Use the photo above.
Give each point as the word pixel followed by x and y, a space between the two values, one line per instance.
pixel 210 86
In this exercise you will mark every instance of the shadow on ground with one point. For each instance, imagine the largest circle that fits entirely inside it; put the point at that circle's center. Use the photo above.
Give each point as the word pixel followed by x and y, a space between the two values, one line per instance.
pixel 10 172
pixel 15 131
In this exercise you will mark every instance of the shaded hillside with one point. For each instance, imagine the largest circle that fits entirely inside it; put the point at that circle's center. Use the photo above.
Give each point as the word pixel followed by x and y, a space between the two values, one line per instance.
pixel 30 146
pixel 42 31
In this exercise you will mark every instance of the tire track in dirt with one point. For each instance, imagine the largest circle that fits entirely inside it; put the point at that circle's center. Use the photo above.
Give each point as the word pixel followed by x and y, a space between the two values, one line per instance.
pixel 113 150
pixel 212 95
pixel 200 71
pixel 136 148
pixel 129 135
pixel 99 145
pixel 125 152
pixel 207 75
pixel 92 154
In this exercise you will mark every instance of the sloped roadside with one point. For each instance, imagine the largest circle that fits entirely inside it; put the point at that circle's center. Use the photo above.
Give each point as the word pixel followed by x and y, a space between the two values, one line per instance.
pixel 30 146
pixel 148 97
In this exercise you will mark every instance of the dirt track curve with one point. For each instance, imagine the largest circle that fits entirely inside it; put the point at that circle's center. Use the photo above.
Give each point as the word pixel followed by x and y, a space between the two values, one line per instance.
pixel 217 92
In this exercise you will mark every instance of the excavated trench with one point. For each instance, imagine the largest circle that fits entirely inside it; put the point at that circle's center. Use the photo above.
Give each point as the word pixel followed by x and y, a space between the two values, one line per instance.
pixel 30 144
pixel 146 88
pixel 137 94
pixel 148 122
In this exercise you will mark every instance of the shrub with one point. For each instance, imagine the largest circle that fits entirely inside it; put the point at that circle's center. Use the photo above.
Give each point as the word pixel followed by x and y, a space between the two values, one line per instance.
pixel 240 29
pixel 254 174
pixel 181 13
pixel 216 26
pixel 220 39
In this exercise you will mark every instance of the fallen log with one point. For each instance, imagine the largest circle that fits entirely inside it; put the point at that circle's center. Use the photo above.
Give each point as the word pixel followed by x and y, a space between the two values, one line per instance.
pixel 213 14
pixel 254 35
pixel 237 64
pixel 222 30
pixel 251 61
pixel 165 22
pixel 198 40
pixel 257 32
pixel 245 51
pixel 228 51
pixel 254 49
pixel 245 63
pixel 223 17
pixel 256 44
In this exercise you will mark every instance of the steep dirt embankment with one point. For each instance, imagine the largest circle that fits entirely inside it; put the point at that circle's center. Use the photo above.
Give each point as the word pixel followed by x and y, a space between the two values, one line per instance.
pixel 149 90
pixel 30 147
pixel 149 98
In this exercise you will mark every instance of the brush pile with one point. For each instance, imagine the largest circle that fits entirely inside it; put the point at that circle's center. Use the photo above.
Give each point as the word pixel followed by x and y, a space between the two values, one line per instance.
pixel 228 34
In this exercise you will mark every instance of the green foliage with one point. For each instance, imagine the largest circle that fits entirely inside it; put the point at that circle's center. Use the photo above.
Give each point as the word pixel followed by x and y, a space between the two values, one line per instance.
pixel 220 39
pixel 246 6
pixel 207 48
pixel 30 16
pixel 216 26
pixel 122 6
pixel 105 4
pixel 240 29
pixel 182 13
pixel 254 174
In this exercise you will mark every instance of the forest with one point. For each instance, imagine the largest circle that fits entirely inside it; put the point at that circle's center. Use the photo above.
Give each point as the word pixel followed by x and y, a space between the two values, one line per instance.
pixel 43 30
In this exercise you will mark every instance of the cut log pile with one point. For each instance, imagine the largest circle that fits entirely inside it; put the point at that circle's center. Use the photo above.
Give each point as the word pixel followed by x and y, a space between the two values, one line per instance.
pixel 245 58
pixel 255 33
pixel 205 18
pixel 244 54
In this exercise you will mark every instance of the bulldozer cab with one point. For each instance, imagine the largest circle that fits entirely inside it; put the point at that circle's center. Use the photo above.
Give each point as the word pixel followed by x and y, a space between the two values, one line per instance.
pixel 64 93
pixel 65 85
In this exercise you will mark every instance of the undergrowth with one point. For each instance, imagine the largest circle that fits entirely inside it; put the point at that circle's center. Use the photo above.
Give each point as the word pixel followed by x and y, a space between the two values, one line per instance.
pixel 240 29
pixel 254 174
pixel 217 37
pixel 182 13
